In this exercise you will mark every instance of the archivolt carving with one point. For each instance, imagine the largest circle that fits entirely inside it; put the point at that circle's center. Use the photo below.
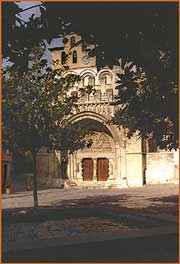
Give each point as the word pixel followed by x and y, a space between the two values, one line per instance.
pixel 102 119
pixel 100 142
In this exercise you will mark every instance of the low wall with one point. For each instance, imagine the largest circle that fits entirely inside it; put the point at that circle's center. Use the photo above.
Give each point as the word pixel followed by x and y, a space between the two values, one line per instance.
pixel 160 167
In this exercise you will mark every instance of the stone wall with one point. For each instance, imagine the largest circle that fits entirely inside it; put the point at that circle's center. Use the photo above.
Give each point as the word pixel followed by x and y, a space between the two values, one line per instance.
pixel 42 160
pixel 49 168
pixel 81 53
pixel 129 163
pixel 134 170
pixel 160 167
pixel 134 161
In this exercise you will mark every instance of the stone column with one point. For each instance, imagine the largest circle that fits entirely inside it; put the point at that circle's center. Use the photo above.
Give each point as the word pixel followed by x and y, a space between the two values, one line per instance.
pixel 123 165
pixel 75 166
pixel 71 167
pixel 111 170
pixel 94 169
pixel 68 168
pixel 79 172
pixel 117 163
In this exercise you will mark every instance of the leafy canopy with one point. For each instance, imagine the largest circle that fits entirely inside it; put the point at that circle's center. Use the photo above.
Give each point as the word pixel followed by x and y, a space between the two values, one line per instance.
pixel 36 104
pixel 145 33
pixel 149 105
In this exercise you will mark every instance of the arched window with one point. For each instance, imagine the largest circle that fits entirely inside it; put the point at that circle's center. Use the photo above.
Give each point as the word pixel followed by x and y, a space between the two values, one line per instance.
pixel 105 79
pixel 85 80
pixel 72 41
pixel 63 57
pixel 74 57
pixel 91 81
pixel 88 80
pixel 108 79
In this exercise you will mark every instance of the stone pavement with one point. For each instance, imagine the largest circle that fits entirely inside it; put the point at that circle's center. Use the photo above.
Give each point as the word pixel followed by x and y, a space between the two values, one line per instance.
pixel 136 197
pixel 74 217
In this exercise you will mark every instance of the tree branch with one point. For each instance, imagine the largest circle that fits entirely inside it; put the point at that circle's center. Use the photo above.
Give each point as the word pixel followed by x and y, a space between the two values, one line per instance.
pixel 29 8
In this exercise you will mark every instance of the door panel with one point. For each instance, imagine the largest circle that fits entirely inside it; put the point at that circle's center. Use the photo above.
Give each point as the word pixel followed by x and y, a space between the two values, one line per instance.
pixel 102 169
pixel 87 169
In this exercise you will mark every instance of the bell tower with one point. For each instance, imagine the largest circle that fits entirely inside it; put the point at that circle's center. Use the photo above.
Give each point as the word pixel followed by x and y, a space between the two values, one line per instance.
pixel 74 53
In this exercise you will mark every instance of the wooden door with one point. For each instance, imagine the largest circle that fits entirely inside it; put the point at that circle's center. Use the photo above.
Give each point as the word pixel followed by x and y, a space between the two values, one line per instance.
pixel 102 169
pixel 87 169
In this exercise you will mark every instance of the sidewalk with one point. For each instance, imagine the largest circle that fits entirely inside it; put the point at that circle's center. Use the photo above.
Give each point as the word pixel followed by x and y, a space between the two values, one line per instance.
pixel 133 197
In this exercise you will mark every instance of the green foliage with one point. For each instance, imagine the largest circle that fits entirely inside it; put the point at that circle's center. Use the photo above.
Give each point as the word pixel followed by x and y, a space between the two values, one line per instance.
pixel 36 104
pixel 22 163
pixel 149 96
pixel 134 30
pixel 149 105
pixel 19 36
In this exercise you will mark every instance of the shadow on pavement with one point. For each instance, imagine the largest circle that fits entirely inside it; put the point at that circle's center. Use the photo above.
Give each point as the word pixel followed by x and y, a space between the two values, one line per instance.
pixel 152 249
pixel 92 206
pixel 158 248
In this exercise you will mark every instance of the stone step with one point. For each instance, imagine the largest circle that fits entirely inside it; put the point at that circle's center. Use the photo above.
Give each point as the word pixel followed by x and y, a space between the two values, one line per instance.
pixel 89 185
pixel 69 184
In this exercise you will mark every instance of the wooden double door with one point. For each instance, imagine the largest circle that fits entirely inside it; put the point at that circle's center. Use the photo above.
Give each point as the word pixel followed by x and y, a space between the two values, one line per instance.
pixel 102 169
pixel 87 169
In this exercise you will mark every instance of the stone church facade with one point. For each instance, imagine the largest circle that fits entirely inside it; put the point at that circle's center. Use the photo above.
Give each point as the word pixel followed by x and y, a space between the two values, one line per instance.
pixel 113 160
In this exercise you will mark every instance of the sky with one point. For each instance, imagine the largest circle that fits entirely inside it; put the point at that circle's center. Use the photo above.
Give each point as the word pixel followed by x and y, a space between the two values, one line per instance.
pixel 25 17
pixel 26 14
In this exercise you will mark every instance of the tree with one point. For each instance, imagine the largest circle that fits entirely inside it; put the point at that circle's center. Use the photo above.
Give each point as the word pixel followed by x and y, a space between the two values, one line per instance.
pixel 149 105
pixel 121 30
pixel 19 36
pixel 143 33
pixel 36 104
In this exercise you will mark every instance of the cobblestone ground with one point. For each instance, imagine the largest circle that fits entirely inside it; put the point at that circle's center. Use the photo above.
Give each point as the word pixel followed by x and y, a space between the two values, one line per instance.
pixel 74 217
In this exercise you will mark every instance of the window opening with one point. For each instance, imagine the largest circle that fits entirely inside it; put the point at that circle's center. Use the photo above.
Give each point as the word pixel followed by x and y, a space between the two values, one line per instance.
pixel 74 56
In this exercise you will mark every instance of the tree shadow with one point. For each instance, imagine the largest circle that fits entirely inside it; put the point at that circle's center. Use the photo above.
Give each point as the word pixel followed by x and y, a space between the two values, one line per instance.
pixel 170 199
pixel 103 206
pixel 156 248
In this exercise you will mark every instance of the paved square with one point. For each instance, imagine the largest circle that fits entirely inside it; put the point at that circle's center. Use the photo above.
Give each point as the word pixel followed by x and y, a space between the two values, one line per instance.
pixel 68 218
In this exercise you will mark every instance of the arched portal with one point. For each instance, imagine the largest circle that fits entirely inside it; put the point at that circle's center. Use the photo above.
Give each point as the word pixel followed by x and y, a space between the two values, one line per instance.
pixel 90 117
pixel 97 161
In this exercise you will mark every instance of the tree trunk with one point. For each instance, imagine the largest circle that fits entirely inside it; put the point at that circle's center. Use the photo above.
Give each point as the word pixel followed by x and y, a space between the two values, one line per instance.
pixel 35 195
